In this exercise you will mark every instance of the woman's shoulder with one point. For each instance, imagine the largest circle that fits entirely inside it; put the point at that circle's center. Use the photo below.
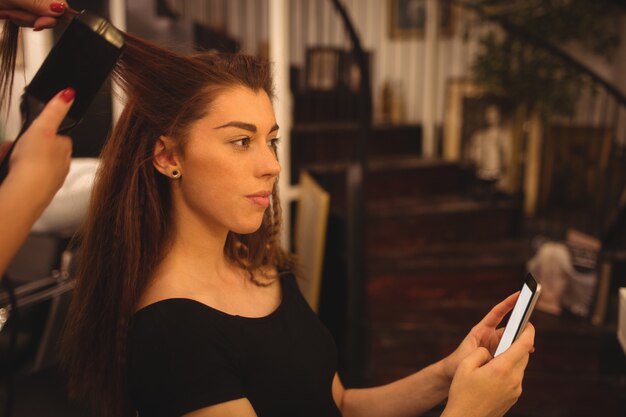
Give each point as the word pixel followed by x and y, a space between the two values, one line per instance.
pixel 172 317
pixel 163 308
pixel 175 327
pixel 287 279
pixel 161 301
pixel 160 289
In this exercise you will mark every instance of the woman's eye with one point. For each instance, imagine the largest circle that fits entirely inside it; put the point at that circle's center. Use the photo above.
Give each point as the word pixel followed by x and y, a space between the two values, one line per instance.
pixel 274 143
pixel 242 143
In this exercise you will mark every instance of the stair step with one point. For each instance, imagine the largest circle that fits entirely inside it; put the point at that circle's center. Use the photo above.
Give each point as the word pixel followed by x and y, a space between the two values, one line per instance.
pixel 464 256
pixel 441 205
pixel 407 177
pixel 405 225
pixel 402 296
pixel 415 177
pixel 594 350
pixel 332 142
pixel 424 309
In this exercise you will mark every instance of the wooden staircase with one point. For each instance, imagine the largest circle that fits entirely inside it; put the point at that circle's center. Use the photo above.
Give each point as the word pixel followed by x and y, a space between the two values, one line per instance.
pixel 437 261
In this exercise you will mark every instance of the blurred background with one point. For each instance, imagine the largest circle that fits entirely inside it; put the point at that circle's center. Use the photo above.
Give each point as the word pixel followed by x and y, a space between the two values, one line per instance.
pixel 433 152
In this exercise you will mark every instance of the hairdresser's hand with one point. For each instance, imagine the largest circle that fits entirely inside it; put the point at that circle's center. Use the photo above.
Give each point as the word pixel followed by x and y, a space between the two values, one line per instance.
pixel 486 387
pixel 485 334
pixel 38 14
pixel 41 158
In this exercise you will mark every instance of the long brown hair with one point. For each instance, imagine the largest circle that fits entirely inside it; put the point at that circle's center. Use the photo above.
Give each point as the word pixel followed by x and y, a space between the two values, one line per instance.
pixel 8 54
pixel 128 226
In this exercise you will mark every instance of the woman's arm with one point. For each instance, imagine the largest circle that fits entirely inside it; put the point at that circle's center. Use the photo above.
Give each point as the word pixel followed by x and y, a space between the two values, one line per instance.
pixel 407 397
pixel 38 166
pixel 235 408
pixel 474 375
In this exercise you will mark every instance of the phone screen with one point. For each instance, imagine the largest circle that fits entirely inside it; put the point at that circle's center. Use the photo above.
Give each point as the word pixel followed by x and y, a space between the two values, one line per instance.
pixel 520 313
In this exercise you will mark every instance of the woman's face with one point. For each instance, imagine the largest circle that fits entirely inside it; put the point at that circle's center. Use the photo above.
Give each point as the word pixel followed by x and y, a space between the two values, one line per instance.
pixel 229 163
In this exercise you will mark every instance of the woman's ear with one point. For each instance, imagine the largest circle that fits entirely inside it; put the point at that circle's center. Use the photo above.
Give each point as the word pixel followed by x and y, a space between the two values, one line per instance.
pixel 165 158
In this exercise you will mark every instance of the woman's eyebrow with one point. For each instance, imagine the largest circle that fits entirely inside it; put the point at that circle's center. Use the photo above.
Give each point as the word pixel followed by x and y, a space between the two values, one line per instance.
pixel 246 126
pixel 241 125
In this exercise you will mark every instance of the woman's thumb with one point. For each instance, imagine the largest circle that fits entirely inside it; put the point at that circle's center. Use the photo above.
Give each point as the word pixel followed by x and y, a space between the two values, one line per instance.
pixel 477 358
pixel 55 111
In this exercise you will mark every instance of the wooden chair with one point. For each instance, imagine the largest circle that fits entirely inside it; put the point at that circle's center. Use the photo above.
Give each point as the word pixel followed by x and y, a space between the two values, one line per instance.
pixel 310 236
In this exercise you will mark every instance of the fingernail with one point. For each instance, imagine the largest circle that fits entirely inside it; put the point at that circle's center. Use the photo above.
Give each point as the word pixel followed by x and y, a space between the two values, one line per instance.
pixel 57 7
pixel 68 94
pixel 37 29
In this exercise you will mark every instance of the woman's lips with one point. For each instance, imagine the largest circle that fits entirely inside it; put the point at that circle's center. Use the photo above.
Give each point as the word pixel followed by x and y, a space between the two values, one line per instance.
pixel 260 199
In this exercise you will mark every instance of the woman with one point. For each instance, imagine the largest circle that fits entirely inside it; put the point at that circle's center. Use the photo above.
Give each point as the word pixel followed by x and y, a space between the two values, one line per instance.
pixel 185 303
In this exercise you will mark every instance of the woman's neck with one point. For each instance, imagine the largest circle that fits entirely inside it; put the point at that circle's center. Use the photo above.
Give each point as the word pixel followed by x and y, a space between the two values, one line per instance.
pixel 196 252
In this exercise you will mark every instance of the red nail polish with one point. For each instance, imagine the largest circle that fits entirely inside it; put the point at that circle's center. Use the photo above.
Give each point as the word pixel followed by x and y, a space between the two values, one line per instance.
pixel 57 7
pixel 68 94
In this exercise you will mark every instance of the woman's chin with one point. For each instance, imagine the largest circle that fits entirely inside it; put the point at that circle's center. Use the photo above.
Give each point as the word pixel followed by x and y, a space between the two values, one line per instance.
pixel 247 229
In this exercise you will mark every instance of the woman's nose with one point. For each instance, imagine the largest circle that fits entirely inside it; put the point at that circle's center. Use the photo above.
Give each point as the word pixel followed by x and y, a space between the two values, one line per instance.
pixel 269 165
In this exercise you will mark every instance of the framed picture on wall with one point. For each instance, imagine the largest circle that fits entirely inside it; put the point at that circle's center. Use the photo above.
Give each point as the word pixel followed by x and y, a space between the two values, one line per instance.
pixel 322 68
pixel 480 130
pixel 456 91
pixel 407 18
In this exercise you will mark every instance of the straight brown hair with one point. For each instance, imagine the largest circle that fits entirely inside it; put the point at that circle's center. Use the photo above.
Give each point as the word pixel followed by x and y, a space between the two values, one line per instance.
pixel 8 55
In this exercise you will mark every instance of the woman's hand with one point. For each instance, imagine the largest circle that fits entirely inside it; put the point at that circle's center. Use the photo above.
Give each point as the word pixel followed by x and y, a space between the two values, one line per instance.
pixel 485 334
pixel 41 158
pixel 486 387
pixel 38 14
pixel 37 169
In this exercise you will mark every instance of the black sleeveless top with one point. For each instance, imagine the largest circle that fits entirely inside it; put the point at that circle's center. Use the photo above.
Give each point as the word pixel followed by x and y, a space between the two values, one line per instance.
pixel 184 356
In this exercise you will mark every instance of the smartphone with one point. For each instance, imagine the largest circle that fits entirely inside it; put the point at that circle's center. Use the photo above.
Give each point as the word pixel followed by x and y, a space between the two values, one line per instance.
pixel 82 58
pixel 521 313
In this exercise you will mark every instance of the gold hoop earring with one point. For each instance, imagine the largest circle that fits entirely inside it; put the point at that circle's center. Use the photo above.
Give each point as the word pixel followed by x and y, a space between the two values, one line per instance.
pixel 176 174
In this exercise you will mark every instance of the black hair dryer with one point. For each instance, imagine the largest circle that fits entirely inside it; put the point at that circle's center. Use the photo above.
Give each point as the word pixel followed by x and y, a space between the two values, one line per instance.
pixel 83 58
